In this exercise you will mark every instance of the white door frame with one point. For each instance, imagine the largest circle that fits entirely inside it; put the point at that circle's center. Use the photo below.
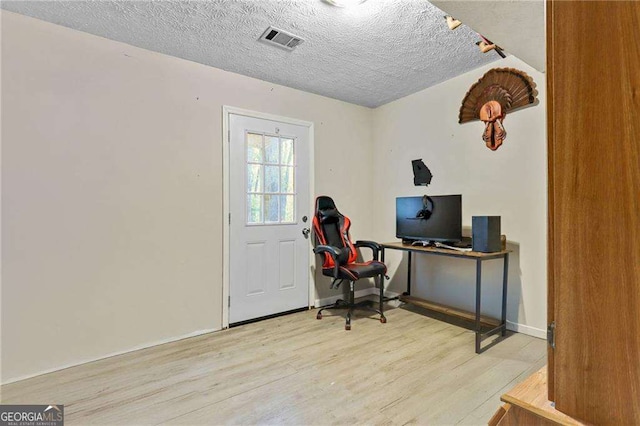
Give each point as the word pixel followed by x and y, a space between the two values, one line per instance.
pixel 226 139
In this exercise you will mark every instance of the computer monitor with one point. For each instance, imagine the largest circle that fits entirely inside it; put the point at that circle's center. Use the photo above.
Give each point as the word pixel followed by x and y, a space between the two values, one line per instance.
pixel 438 218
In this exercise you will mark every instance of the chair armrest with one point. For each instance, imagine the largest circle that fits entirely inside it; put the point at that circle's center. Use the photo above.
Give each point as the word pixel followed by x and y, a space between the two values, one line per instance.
pixel 375 247
pixel 334 252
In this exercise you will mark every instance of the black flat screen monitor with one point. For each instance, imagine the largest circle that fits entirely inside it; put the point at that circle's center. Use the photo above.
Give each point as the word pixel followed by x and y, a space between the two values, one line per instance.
pixel 444 222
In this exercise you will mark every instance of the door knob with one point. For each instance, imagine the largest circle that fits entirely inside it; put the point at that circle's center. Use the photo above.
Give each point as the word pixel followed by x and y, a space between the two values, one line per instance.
pixel 306 232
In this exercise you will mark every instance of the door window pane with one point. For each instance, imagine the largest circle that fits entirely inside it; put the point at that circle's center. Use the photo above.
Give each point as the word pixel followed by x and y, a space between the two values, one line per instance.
pixel 286 152
pixel 271 211
pixel 254 178
pixel 254 209
pixel 286 180
pixel 271 175
pixel 287 208
pixel 254 148
pixel 272 149
pixel 272 178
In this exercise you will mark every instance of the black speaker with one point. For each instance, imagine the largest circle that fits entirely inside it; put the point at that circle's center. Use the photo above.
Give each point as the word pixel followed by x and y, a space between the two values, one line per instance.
pixel 486 234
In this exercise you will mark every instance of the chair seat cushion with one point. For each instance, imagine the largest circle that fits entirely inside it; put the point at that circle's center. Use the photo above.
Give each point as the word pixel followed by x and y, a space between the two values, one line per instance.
pixel 355 271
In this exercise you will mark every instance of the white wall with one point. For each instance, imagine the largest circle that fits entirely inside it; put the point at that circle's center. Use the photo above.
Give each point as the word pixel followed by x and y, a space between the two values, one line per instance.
pixel 510 182
pixel 112 190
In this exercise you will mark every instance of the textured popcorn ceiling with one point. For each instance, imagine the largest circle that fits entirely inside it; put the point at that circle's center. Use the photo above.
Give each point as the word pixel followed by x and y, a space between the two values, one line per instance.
pixel 369 55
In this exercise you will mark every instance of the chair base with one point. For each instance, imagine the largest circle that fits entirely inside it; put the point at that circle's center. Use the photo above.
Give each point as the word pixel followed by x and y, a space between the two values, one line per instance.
pixel 342 304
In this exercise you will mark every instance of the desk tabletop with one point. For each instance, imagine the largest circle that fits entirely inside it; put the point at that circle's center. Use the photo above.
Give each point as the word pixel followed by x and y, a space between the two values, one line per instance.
pixel 397 245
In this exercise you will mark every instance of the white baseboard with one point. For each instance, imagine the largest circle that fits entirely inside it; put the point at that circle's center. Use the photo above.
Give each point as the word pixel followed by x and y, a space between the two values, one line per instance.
pixel 526 329
pixel 135 348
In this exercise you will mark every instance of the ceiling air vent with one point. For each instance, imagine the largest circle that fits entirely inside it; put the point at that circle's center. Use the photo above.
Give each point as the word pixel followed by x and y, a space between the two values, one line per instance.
pixel 280 38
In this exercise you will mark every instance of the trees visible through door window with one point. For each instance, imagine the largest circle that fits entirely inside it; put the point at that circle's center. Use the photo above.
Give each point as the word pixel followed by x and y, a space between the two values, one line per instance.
pixel 270 179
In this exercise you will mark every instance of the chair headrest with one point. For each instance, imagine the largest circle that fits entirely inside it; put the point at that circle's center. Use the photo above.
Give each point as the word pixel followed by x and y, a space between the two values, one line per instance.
pixel 329 215
pixel 323 202
pixel 326 210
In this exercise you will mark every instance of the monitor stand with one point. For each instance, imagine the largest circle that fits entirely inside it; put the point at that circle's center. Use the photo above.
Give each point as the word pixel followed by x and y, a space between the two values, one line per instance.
pixel 464 243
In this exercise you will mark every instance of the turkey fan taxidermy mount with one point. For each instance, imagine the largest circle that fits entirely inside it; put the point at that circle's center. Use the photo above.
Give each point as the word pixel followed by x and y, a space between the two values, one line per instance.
pixel 499 91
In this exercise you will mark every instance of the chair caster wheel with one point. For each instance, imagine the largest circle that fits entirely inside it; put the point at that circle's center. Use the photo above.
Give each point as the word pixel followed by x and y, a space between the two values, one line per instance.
pixel 319 316
pixel 347 327
pixel 383 320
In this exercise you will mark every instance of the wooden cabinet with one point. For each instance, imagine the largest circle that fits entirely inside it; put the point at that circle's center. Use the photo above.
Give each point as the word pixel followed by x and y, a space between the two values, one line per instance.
pixel 528 404
pixel 593 110
pixel 593 79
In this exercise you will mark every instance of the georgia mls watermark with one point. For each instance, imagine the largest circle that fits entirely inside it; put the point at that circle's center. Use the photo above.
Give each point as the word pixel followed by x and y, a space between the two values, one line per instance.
pixel 31 415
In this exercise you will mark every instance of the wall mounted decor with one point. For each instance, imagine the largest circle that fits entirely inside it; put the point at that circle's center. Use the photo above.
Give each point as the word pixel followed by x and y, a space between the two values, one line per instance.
pixel 486 46
pixel 452 22
pixel 499 91
pixel 421 174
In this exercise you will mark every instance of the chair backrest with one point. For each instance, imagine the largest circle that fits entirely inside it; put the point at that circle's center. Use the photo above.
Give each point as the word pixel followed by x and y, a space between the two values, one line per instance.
pixel 331 228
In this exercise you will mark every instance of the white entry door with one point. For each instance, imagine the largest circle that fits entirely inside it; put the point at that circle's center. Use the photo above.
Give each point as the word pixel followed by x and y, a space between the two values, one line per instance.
pixel 269 205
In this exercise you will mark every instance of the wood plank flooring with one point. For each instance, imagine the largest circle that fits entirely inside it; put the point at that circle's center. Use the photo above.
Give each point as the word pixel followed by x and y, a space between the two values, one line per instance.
pixel 297 370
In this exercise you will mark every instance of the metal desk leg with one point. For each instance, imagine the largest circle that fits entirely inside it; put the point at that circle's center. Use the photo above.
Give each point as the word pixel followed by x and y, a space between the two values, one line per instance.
pixel 505 275
pixel 478 296
pixel 409 275
pixel 381 279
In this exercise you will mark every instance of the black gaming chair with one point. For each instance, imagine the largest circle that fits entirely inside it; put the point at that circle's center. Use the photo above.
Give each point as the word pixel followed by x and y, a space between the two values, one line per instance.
pixel 332 240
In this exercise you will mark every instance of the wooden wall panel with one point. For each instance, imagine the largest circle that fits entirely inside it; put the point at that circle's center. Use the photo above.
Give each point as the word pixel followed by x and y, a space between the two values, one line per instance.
pixel 550 203
pixel 595 180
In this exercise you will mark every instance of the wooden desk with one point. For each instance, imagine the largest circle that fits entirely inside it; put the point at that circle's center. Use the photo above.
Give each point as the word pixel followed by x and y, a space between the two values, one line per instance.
pixel 479 320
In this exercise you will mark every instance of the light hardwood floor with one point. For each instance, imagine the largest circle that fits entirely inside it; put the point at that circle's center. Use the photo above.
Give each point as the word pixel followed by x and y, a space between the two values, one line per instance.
pixel 296 370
